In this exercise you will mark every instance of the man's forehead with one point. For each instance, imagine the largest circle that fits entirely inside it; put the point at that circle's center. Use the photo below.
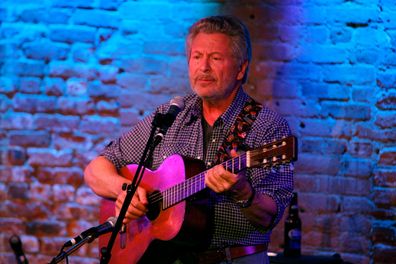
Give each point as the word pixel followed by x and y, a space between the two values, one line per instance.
pixel 212 41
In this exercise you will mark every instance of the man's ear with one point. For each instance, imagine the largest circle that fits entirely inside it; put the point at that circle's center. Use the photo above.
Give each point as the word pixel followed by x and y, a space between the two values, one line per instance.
pixel 242 70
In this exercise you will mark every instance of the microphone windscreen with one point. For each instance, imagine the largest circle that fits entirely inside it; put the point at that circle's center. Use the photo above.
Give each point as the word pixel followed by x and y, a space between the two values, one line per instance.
pixel 178 101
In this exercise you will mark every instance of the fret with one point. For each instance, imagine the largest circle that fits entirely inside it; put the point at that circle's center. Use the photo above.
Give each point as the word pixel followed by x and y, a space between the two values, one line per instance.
pixel 188 189
pixel 232 164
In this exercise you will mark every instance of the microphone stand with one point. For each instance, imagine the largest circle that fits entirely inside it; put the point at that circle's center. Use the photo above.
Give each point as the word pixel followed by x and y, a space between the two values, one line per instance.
pixel 64 254
pixel 158 122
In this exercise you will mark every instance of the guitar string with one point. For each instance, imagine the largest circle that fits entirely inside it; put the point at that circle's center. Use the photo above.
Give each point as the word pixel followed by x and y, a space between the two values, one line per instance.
pixel 194 182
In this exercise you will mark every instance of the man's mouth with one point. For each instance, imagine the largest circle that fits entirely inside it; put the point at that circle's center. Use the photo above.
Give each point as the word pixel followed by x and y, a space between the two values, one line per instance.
pixel 206 79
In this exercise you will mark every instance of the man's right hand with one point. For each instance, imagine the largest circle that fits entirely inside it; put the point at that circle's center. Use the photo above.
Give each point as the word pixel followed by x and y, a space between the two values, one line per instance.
pixel 137 208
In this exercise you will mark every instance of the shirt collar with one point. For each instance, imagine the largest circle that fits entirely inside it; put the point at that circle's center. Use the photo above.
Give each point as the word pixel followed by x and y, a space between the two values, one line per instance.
pixel 235 107
pixel 231 112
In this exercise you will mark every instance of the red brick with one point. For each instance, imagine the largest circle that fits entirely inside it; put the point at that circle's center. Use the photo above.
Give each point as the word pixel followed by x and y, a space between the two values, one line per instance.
pixel 63 193
pixel 361 149
pixel 384 197
pixel 384 254
pixel 319 203
pixel 85 196
pixel 384 135
pixel 10 225
pixel 30 138
pixel 51 245
pixel 388 158
pixel 385 178
pixel 49 157
pixel 384 235
pixel 18 190
pixel 15 156
pixel 45 227
pixel 56 123
pixel 316 164
pixel 71 210
pixel 358 204
pixel 58 175
pixel 72 106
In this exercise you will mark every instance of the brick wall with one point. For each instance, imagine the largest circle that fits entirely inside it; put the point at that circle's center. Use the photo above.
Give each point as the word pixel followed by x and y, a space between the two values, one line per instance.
pixel 76 73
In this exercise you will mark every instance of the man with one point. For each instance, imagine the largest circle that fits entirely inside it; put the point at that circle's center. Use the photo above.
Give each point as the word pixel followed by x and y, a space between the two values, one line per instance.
pixel 245 206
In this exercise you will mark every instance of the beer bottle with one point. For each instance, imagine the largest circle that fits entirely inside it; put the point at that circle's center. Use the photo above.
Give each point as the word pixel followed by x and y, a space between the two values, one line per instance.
pixel 292 231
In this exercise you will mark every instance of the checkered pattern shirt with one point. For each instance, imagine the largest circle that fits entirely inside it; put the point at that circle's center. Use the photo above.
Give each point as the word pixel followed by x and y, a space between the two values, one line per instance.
pixel 185 137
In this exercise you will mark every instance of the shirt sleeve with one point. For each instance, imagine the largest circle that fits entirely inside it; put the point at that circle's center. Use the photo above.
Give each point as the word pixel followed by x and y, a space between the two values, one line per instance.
pixel 276 182
pixel 129 148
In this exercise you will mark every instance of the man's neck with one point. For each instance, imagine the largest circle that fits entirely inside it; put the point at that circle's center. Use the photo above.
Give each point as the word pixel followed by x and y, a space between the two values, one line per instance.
pixel 213 109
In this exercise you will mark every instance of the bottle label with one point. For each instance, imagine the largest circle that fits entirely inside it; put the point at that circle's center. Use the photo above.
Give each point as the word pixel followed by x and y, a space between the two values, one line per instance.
pixel 295 238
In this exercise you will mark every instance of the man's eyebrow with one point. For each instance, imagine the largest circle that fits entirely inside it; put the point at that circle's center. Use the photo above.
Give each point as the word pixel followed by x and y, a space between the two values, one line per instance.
pixel 212 53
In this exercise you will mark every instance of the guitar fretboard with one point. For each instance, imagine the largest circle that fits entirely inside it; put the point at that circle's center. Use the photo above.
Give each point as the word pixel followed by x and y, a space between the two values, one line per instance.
pixel 193 185
pixel 272 154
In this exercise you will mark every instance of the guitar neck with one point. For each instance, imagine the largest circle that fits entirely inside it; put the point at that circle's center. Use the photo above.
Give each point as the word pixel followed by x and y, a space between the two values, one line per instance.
pixel 273 154
pixel 193 185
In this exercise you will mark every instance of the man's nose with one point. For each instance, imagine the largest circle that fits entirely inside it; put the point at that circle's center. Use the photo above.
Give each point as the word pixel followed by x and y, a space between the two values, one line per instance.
pixel 205 65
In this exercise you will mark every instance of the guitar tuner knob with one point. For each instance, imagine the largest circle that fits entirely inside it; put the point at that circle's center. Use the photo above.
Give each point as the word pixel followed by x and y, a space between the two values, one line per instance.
pixel 274 159
pixel 284 143
pixel 283 156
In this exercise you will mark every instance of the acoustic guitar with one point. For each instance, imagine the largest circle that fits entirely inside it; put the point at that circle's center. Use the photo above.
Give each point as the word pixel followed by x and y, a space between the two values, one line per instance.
pixel 169 217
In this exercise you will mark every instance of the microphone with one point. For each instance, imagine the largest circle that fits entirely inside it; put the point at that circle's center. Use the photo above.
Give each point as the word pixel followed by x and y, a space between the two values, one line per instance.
pixel 176 106
pixel 16 245
pixel 93 232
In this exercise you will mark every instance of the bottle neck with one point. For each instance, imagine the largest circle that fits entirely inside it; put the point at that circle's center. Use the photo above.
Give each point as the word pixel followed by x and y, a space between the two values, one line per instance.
pixel 293 209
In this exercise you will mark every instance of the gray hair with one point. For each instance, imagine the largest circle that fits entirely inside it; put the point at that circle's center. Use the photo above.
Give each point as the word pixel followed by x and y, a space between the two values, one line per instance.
pixel 230 26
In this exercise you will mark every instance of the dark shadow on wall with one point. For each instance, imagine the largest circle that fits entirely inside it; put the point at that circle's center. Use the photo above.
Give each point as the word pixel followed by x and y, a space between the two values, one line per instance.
pixel 274 33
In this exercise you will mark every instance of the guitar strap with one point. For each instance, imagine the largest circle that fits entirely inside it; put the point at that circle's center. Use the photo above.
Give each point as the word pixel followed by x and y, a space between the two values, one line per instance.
pixel 239 130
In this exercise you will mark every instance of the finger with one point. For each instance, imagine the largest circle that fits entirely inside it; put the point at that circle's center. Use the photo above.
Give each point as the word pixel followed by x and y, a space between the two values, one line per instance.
pixel 233 153
pixel 132 214
pixel 142 196
pixel 225 177
pixel 215 181
pixel 211 182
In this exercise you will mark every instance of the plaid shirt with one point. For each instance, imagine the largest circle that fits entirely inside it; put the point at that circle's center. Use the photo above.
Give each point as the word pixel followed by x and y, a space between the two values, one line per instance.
pixel 185 137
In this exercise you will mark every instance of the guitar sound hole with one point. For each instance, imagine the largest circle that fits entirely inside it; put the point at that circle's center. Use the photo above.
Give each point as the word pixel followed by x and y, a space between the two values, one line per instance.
pixel 154 206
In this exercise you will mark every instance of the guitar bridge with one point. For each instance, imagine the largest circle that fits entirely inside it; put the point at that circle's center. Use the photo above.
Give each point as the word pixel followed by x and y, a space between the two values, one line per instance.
pixel 123 235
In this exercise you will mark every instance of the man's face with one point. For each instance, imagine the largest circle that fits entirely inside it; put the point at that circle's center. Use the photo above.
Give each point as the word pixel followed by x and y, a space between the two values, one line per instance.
pixel 213 69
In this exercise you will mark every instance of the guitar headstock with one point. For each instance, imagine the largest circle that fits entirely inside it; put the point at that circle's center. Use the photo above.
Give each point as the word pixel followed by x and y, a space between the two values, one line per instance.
pixel 272 154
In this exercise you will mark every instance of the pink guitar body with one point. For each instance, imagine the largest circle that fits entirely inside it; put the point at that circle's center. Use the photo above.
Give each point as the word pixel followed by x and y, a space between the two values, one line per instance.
pixel 141 232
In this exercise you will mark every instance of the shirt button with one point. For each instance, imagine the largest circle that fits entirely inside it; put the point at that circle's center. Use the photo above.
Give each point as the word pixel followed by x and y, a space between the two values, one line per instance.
pixel 199 157
pixel 164 157
pixel 213 140
pixel 209 163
